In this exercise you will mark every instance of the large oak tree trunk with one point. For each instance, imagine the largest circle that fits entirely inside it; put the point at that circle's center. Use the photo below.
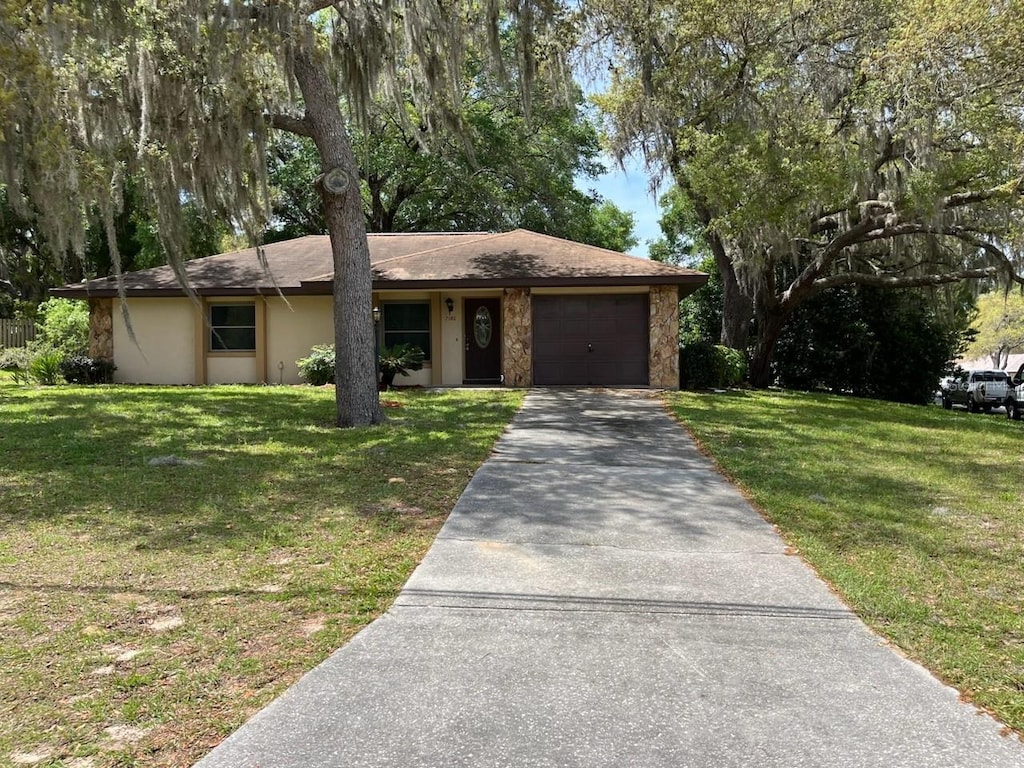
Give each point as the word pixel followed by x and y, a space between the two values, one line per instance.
pixel 768 331
pixel 358 402
pixel 737 308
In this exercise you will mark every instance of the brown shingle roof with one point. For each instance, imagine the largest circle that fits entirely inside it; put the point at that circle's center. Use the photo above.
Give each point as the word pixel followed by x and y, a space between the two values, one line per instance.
pixel 304 265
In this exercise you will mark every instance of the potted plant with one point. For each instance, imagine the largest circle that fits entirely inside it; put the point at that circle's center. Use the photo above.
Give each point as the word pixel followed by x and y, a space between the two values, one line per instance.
pixel 399 359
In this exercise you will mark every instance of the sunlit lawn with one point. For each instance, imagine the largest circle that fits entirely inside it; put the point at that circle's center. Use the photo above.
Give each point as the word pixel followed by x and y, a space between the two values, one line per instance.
pixel 148 608
pixel 915 514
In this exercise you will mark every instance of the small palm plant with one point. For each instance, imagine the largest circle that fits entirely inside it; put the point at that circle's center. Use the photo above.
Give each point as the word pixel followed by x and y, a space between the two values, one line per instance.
pixel 398 359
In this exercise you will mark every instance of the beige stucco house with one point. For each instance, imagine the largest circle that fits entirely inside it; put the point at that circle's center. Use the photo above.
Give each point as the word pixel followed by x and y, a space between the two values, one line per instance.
pixel 517 308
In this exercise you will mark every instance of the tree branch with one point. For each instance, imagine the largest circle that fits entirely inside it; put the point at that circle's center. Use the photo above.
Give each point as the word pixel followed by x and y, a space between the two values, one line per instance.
pixel 911 281
pixel 290 124
pixel 961 199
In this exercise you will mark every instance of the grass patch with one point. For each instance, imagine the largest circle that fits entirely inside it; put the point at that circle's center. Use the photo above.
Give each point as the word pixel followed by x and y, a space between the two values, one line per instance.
pixel 146 611
pixel 914 514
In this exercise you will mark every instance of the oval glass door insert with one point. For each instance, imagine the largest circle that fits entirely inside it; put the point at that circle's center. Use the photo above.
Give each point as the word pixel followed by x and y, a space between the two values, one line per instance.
pixel 482 327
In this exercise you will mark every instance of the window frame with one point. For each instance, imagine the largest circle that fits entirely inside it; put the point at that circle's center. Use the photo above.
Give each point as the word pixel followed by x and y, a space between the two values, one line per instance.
pixel 213 337
pixel 428 331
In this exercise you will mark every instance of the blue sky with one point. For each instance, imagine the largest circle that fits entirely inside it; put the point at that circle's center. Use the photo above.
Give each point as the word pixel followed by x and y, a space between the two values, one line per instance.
pixel 628 189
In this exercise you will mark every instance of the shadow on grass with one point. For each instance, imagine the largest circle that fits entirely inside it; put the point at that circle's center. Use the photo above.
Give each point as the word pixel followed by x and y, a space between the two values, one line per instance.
pixel 857 473
pixel 255 459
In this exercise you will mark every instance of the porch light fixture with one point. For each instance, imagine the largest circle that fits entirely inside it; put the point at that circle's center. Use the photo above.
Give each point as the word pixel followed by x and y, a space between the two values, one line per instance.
pixel 376 315
pixel 450 304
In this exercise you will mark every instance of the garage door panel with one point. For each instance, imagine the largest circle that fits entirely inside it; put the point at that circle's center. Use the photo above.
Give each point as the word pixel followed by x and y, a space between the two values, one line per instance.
pixel 618 372
pixel 600 340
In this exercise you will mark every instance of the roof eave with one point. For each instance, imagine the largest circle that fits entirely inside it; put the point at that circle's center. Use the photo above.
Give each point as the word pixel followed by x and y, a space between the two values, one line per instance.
pixel 691 282
pixel 687 284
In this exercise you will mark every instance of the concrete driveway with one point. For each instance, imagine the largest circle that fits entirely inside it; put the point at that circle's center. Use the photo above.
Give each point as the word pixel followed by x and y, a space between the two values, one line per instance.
pixel 600 596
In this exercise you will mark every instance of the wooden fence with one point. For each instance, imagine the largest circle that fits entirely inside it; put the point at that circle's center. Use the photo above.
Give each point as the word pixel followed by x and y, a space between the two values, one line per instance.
pixel 16 333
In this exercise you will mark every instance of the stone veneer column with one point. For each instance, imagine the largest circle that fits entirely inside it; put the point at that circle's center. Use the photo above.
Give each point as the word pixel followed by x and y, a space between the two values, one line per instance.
pixel 663 361
pixel 517 337
pixel 101 329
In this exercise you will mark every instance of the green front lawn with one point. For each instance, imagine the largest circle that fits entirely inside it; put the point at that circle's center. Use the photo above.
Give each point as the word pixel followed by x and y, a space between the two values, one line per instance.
pixel 149 605
pixel 914 514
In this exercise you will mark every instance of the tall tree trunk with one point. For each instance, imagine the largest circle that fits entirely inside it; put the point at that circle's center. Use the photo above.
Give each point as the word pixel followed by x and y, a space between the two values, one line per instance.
pixel 358 402
pixel 737 308
pixel 772 313
pixel 769 329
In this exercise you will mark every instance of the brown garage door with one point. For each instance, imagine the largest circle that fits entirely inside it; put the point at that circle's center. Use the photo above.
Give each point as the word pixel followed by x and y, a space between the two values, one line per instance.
pixel 580 340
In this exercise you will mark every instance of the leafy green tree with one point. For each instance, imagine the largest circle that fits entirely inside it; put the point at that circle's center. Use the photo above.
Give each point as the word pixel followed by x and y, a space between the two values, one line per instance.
pixel 1000 327
pixel 467 182
pixel 603 224
pixel 184 94
pixel 29 267
pixel 875 143
pixel 682 243
pixel 138 241
pixel 65 325
pixel 869 342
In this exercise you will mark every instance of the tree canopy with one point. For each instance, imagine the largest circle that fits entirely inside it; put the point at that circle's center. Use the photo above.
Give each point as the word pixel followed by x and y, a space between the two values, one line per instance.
pixel 1000 327
pixel 182 96
pixel 877 143
pixel 468 181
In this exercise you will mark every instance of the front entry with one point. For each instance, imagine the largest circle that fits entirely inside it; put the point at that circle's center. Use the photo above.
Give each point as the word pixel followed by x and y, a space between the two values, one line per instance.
pixel 482 336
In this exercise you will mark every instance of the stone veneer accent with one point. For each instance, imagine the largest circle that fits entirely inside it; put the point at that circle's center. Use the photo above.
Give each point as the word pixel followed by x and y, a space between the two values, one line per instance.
pixel 517 337
pixel 663 362
pixel 101 329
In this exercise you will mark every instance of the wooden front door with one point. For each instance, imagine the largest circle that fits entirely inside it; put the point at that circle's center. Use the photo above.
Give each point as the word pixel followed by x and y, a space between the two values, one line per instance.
pixel 482 341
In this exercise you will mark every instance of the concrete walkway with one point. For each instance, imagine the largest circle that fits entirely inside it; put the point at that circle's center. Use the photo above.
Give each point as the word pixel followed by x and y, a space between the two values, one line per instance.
pixel 601 597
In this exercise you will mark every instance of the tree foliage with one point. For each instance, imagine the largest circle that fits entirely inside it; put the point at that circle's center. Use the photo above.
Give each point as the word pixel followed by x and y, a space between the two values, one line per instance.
pixel 469 181
pixel 1000 327
pixel 874 143
pixel 183 95
pixel 65 325
pixel 869 342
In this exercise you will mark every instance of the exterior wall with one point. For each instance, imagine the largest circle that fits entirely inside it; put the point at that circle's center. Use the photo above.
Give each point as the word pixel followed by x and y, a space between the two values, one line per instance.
pixel 165 331
pixel 231 368
pixel 663 362
pixel 172 338
pixel 293 328
pixel 517 337
pixel 101 329
pixel 452 344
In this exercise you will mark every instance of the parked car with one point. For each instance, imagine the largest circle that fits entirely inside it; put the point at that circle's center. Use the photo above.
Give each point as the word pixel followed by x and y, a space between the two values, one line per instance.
pixel 1014 402
pixel 977 390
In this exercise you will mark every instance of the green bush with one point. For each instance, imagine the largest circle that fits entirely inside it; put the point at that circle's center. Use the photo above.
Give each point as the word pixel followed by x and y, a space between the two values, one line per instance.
pixel 703 365
pixel 318 367
pixel 79 369
pixel 398 361
pixel 732 365
pixel 65 325
pixel 44 367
